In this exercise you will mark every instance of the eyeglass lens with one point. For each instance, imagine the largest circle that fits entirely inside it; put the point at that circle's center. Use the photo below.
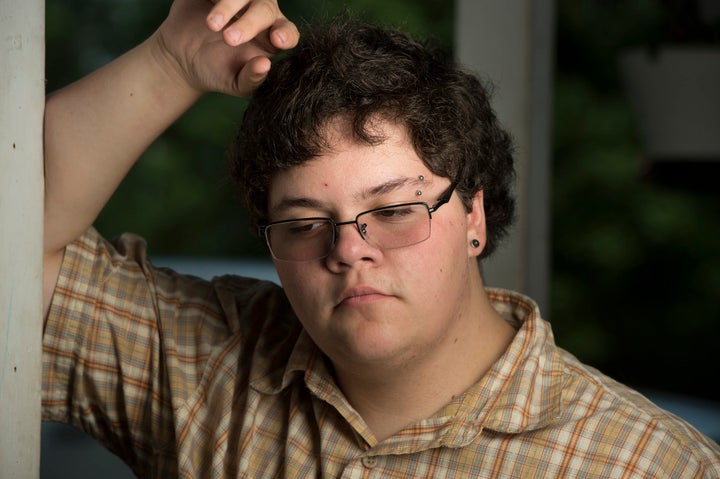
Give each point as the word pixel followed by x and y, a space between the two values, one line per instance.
pixel 384 228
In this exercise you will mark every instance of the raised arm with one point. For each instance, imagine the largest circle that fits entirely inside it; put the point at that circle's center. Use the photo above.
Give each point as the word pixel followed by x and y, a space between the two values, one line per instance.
pixel 97 127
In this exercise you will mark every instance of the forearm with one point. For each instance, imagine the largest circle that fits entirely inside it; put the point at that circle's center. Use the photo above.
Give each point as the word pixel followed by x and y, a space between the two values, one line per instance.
pixel 95 130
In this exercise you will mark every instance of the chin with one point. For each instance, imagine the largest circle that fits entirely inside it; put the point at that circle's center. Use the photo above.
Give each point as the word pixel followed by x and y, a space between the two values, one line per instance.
pixel 372 348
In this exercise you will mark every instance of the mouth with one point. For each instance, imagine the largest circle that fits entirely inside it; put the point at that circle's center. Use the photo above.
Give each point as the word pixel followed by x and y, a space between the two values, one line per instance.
pixel 359 296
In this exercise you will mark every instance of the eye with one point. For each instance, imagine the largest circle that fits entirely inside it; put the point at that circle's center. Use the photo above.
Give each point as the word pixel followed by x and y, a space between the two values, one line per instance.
pixel 305 228
pixel 396 213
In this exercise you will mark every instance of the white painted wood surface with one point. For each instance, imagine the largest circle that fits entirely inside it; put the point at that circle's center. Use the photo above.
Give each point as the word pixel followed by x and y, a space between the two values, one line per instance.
pixel 511 44
pixel 22 92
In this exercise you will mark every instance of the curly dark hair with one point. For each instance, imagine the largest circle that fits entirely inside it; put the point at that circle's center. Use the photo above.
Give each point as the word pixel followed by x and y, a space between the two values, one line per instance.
pixel 355 70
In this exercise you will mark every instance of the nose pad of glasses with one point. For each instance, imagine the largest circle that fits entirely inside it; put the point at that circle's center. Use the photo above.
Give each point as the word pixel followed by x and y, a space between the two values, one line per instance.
pixel 360 227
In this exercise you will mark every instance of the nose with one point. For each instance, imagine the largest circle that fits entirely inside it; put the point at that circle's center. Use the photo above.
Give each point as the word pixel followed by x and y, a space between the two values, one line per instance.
pixel 360 228
pixel 349 248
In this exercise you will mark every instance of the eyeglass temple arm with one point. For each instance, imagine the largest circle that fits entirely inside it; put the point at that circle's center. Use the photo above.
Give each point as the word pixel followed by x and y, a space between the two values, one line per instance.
pixel 445 197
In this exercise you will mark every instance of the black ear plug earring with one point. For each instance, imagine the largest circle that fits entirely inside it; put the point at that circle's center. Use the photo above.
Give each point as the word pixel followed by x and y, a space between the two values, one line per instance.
pixel 475 243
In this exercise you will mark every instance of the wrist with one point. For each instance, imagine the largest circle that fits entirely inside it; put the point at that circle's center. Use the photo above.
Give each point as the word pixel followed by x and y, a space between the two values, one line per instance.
pixel 172 80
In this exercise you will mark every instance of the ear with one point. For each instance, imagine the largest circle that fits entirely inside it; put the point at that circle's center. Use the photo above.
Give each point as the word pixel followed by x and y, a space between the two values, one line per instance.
pixel 476 226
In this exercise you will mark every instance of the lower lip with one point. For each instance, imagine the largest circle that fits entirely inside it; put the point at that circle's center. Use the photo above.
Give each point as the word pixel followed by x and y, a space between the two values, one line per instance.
pixel 362 300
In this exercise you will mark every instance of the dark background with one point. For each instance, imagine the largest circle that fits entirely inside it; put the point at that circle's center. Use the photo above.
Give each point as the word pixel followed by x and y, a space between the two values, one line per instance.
pixel 635 266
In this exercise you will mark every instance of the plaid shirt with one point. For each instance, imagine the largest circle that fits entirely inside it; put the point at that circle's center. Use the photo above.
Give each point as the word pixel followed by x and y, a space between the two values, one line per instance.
pixel 186 378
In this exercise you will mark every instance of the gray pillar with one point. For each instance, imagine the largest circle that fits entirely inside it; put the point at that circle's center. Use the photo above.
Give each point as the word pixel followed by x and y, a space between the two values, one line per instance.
pixel 511 44
pixel 22 93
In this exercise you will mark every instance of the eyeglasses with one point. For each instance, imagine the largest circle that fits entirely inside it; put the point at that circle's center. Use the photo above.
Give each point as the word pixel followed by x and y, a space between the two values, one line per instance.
pixel 387 227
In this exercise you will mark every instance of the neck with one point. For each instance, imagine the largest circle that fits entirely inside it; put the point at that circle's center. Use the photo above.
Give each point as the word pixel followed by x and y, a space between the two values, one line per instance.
pixel 390 397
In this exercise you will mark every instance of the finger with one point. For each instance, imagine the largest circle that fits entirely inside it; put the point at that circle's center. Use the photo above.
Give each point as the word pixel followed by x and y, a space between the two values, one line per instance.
pixel 284 34
pixel 252 75
pixel 223 12
pixel 257 18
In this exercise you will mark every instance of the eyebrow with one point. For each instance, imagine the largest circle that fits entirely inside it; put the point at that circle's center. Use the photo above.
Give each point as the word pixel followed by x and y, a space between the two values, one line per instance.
pixel 389 186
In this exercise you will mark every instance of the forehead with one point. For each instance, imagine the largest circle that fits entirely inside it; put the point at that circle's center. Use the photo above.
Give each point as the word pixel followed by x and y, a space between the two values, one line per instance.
pixel 351 169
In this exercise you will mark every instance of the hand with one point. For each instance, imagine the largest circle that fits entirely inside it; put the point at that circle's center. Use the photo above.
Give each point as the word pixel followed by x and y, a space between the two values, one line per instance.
pixel 224 47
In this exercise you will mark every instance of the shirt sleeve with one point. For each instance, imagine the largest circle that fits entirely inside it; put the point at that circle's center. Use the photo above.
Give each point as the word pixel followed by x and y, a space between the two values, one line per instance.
pixel 125 344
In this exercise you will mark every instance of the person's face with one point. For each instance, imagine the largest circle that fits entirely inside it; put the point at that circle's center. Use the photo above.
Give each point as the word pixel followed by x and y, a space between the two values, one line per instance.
pixel 361 304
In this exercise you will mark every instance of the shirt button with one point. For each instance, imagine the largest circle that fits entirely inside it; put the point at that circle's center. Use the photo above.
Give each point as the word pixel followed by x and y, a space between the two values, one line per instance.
pixel 369 461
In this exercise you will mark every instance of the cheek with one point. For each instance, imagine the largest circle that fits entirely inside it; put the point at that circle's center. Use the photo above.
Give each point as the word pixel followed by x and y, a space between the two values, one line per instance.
pixel 301 289
pixel 446 257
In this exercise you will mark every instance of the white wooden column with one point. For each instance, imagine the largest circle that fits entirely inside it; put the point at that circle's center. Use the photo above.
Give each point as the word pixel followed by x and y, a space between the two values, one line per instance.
pixel 22 92
pixel 511 43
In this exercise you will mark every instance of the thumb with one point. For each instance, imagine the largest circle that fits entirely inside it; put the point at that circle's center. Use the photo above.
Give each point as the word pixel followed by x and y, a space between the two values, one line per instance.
pixel 251 75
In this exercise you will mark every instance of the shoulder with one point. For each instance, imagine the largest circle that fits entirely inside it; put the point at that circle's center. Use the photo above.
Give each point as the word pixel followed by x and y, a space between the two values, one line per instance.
pixel 117 277
pixel 594 425
pixel 621 422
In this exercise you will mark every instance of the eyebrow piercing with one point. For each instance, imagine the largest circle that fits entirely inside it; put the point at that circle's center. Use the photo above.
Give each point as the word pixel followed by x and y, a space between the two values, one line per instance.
pixel 420 178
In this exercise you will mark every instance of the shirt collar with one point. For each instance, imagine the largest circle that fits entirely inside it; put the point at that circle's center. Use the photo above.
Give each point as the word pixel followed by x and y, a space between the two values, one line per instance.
pixel 521 392
pixel 300 362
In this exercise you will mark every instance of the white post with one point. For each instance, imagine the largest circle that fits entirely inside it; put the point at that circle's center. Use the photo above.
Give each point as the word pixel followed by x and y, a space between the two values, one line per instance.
pixel 511 44
pixel 22 93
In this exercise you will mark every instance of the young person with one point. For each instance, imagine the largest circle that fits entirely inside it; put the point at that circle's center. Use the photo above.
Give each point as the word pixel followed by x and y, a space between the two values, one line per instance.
pixel 378 176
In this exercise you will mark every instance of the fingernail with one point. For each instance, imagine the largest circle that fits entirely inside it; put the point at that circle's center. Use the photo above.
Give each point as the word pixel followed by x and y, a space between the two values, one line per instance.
pixel 281 37
pixel 233 36
pixel 216 21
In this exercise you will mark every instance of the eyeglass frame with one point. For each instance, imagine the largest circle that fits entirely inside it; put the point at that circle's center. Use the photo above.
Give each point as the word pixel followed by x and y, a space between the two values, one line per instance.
pixel 444 198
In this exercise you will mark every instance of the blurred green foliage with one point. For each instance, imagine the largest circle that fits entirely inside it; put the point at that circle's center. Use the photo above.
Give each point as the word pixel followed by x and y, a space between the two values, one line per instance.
pixel 635 266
